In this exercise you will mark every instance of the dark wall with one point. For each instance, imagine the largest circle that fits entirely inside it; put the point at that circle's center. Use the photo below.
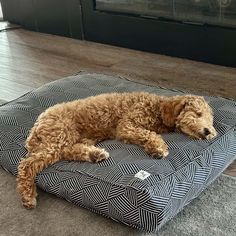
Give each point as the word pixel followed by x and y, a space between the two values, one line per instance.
pixel 79 19
pixel 59 17
pixel 198 42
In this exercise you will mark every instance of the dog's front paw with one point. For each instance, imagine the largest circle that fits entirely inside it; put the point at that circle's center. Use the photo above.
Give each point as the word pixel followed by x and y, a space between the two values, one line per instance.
pixel 98 154
pixel 158 151
pixel 161 153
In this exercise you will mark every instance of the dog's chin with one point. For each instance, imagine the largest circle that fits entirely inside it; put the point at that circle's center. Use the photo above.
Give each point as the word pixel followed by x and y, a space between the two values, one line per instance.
pixel 197 136
pixel 209 136
pixel 201 135
pixel 192 134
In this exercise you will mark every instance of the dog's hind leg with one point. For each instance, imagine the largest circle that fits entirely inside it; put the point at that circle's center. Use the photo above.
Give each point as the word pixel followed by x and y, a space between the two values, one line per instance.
pixel 27 171
pixel 42 158
pixel 84 152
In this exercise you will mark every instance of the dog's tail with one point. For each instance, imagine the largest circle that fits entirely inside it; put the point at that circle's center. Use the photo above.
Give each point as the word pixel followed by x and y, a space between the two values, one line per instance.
pixel 29 168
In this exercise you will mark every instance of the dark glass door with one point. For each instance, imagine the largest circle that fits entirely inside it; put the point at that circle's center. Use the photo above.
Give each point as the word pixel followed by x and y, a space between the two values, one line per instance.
pixel 203 30
pixel 167 27
pixel 214 12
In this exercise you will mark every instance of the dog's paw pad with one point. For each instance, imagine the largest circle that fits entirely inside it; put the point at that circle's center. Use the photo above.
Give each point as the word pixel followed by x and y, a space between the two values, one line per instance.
pixel 99 155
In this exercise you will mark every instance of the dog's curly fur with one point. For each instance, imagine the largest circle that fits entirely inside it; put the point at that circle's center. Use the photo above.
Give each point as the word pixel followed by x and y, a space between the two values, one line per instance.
pixel 69 131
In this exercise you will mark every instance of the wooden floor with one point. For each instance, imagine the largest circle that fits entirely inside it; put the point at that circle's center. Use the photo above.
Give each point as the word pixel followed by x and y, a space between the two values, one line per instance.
pixel 29 60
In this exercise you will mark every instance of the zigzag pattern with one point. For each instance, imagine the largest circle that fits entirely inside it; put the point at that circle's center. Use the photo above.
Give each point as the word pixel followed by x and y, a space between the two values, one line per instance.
pixel 109 187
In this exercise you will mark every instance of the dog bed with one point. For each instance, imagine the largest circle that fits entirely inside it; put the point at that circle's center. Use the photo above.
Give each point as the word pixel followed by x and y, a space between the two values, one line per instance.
pixel 130 186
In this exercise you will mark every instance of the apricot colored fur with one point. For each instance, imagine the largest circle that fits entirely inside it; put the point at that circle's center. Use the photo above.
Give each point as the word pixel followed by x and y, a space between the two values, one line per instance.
pixel 69 131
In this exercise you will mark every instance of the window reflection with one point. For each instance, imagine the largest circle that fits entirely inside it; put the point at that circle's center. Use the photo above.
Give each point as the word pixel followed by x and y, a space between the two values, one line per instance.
pixel 215 12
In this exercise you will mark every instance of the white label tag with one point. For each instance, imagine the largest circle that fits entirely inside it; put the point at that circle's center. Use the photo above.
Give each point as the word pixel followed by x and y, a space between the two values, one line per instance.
pixel 142 175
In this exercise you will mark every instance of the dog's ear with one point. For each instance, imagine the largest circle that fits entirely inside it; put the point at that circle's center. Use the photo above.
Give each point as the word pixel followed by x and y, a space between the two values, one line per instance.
pixel 171 109
pixel 194 103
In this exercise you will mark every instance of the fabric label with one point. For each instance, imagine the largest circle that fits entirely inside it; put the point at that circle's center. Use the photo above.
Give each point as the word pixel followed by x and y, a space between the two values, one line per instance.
pixel 142 175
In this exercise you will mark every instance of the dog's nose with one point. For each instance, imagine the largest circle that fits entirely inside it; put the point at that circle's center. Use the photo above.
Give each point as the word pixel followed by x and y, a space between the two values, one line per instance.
pixel 206 131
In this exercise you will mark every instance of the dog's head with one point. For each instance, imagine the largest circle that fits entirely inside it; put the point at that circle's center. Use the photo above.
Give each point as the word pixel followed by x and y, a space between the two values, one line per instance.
pixel 195 118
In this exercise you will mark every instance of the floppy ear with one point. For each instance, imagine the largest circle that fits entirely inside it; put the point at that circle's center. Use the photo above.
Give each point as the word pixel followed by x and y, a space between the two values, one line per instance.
pixel 195 103
pixel 171 109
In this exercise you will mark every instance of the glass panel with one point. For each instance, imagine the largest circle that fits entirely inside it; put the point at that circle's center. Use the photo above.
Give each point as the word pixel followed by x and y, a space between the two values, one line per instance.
pixel 197 11
pixel 216 12
pixel 142 7
pixel 228 12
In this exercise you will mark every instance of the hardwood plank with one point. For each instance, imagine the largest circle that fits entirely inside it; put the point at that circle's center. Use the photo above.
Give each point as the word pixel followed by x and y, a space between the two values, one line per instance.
pixel 67 56
pixel 5 25
pixel 11 90
pixel 2 101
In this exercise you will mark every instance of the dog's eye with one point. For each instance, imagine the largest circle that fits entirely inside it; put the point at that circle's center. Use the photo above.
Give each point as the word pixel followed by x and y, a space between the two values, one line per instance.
pixel 199 114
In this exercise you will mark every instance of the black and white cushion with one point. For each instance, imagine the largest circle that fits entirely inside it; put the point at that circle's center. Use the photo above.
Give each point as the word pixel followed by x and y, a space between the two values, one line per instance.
pixel 131 186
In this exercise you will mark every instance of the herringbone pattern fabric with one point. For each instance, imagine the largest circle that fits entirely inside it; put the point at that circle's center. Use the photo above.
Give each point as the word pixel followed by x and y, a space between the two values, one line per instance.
pixel 110 188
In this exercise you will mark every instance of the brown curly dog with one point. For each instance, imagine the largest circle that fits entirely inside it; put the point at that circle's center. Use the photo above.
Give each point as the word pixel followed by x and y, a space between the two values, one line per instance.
pixel 69 131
